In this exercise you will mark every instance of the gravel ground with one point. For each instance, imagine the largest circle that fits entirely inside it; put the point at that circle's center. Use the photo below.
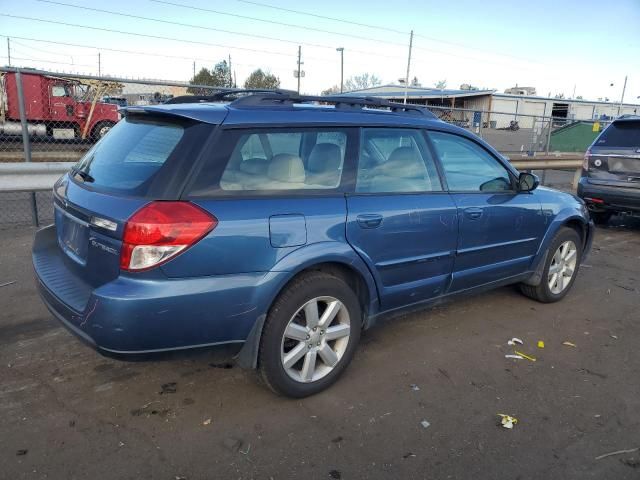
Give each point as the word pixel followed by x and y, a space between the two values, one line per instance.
pixel 68 413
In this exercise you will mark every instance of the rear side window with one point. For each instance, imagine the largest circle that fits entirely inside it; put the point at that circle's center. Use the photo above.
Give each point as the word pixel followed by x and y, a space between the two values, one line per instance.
pixel 130 155
pixel 395 160
pixel 306 159
pixel 620 134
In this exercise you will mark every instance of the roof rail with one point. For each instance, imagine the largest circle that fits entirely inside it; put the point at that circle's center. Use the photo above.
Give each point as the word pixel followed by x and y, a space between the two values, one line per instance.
pixel 224 93
pixel 282 98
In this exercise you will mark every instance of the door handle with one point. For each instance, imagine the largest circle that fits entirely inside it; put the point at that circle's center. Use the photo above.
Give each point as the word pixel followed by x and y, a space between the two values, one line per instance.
pixel 369 220
pixel 473 213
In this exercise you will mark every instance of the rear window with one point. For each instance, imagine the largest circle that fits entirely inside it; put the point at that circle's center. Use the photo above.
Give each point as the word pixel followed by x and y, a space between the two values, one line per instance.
pixel 621 134
pixel 130 155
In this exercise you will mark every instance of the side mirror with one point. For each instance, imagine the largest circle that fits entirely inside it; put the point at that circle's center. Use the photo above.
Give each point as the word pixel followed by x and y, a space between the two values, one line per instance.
pixel 528 182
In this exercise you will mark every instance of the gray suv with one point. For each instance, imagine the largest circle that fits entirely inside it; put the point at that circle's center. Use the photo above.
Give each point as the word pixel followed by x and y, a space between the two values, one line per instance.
pixel 610 182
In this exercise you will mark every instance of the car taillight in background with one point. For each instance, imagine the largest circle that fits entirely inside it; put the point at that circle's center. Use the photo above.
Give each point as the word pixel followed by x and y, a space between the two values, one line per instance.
pixel 585 162
pixel 161 230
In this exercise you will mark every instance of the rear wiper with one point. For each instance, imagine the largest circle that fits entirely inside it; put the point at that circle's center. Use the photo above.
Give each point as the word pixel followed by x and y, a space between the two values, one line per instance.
pixel 83 175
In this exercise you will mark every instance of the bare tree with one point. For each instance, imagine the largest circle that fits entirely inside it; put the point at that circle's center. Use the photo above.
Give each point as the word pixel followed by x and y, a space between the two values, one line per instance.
pixel 362 81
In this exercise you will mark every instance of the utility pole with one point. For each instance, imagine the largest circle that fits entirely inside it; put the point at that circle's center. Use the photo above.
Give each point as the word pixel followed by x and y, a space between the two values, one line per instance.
pixel 299 63
pixel 9 50
pixel 406 78
pixel 194 70
pixel 624 88
pixel 230 75
pixel 341 50
pixel 99 65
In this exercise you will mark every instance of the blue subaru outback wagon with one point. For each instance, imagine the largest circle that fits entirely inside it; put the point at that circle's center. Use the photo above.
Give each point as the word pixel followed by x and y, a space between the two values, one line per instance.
pixel 289 227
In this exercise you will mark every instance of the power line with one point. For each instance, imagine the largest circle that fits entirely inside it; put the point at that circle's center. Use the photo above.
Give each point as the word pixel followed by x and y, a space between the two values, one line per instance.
pixel 157 37
pixel 29 59
pixel 315 15
pixel 273 22
pixel 202 27
pixel 118 50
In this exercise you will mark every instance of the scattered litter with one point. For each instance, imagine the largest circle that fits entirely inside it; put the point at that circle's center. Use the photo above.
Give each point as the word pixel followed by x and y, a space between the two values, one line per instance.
pixel 569 344
pixel 246 452
pixel 171 387
pixel 425 424
pixel 615 337
pixel 408 454
pixel 337 440
pixel 22 452
pixel 121 444
pixel 597 415
pixel 515 340
pixel 414 387
pixel 6 284
pixel 507 421
pixel 207 422
pixel 232 444
pixel 617 452
pixel 335 474
pixel 517 357
pixel 540 344
pixel 523 355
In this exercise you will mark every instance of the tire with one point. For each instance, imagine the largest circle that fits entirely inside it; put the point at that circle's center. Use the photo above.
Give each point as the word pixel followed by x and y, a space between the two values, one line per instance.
pixel 601 218
pixel 544 292
pixel 304 344
pixel 101 129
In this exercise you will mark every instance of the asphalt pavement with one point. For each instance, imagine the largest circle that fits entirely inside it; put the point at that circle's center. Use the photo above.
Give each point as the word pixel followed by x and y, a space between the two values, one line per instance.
pixel 420 400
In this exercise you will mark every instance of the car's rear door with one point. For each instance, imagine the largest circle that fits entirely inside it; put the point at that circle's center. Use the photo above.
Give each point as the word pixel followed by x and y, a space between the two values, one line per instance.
pixel 500 228
pixel 400 219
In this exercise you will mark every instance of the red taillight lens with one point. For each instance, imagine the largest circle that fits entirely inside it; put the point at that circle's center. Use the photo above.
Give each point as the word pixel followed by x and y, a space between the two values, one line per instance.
pixel 585 162
pixel 161 230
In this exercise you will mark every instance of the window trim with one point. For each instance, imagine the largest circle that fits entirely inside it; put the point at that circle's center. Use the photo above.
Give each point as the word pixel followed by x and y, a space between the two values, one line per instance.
pixel 420 131
pixel 348 169
pixel 500 160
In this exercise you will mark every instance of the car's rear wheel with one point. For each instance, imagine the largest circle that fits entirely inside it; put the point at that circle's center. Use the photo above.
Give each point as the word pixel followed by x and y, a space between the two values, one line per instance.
pixel 560 270
pixel 601 218
pixel 310 335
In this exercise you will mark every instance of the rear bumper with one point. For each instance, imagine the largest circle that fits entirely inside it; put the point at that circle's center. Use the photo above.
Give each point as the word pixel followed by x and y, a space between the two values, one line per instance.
pixel 614 198
pixel 130 315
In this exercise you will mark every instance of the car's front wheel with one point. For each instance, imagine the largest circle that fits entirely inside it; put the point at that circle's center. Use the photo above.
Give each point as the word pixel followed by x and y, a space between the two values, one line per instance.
pixel 560 270
pixel 310 335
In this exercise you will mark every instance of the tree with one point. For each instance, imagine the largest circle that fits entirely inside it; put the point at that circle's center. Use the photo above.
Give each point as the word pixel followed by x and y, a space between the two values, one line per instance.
pixel 203 77
pixel 335 90
pixel 222 74
pixel 441 84
pixel 260 79
pixel 360 82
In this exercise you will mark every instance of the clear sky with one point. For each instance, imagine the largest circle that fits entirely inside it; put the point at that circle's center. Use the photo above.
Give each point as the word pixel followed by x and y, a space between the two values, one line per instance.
pixel 553 45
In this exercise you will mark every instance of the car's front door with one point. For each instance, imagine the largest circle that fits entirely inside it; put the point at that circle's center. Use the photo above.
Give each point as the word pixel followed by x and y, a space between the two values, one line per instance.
pixel 500 228
pixel 400 220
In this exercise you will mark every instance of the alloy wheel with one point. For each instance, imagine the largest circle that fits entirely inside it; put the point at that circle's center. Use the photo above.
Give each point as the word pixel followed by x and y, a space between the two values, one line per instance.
pixel 315 339
pixel 562 268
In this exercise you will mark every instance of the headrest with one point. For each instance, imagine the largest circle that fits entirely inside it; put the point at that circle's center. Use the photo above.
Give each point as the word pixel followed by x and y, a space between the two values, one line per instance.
pixel 325 157
pixel 404 162
pixel 254 166
pixel 287 168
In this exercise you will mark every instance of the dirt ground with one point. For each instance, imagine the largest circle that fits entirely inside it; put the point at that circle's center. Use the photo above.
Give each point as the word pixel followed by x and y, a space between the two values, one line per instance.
pixel 68 413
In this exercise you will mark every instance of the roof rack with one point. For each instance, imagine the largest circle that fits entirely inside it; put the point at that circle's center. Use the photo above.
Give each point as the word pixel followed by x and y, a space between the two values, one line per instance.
pixel 223 94
pixel 282 98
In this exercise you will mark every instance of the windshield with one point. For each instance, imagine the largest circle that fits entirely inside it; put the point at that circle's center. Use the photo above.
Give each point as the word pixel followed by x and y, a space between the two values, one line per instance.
pixel 129 156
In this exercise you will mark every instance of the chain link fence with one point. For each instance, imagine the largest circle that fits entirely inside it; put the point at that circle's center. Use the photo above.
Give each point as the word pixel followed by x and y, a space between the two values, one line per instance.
pixel 55 117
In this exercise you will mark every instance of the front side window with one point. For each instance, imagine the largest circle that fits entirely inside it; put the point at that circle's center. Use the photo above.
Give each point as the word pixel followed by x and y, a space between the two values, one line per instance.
pixel 395 160
pixel 296 160
pixel 58 91
pixel 467 166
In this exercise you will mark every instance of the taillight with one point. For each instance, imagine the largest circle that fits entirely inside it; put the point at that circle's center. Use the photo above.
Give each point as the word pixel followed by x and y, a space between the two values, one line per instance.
pixel 585 162
pixel 161 230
